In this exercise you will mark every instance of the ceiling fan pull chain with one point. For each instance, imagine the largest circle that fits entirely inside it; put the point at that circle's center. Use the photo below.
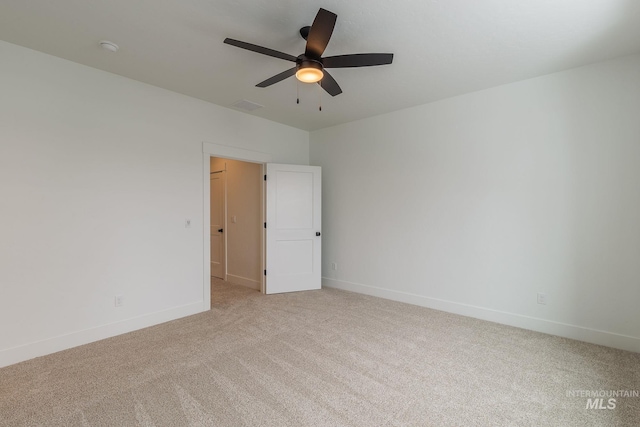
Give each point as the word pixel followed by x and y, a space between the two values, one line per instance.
pixel 297 91
pixel 320 95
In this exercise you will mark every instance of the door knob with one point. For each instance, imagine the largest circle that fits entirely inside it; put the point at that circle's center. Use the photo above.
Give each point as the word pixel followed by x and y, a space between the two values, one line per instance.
pixel 220 230
pixel 317 233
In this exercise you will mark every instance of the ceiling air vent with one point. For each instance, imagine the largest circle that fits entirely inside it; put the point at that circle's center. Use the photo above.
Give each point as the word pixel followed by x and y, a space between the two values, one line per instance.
pixel 245 105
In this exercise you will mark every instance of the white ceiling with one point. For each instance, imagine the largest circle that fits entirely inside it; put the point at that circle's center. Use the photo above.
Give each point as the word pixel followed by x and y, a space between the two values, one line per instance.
pixel 442 48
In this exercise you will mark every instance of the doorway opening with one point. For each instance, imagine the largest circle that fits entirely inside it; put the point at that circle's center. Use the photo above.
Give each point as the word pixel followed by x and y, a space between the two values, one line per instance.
pixel 229 153
pixel 236 221
pixel 290 233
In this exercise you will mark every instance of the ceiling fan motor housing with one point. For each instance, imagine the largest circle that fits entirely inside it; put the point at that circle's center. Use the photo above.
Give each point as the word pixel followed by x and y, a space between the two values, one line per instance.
pixel 306 62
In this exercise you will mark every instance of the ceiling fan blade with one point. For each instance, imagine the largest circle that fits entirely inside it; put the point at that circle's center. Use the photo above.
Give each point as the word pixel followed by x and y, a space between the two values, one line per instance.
pixel 278 77
pixel 357 60
pixel 320 33
pixel 260 49
pixel 330 84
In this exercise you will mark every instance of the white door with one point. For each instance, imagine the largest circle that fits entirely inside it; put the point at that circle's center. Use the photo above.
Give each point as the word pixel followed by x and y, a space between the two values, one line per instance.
pixel 217 224
pixel 293 238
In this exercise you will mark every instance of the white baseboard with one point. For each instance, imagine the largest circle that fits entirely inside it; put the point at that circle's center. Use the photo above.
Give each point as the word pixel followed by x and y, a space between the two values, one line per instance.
pixel 594 336
pixel 243 281
pixel 63 342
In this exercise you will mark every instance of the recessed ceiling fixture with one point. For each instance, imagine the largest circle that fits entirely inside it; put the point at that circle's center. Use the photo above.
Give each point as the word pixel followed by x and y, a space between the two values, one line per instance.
pixel 110 46
pixel 311 66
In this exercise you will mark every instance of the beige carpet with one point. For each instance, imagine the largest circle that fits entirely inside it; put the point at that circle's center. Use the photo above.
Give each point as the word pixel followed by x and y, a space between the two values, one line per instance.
pixel 321 358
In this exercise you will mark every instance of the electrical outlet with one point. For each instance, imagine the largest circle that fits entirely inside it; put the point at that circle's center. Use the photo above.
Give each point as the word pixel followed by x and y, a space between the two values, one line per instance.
pixel 542 299
pixel 334 265
pixel 119 300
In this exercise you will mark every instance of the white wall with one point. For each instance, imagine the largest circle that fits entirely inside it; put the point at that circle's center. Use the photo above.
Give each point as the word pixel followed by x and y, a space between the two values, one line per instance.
pixel 97 176
pixel 475 204
pixel 244 242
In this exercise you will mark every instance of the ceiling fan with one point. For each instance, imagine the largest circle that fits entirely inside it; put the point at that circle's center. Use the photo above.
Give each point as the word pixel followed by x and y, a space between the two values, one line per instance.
pixel 311 66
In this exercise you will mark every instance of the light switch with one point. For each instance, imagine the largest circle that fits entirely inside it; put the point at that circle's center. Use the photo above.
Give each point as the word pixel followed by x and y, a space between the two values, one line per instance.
pixel 234 219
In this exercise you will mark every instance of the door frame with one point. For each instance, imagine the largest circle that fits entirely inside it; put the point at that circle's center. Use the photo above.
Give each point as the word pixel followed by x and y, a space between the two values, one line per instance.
pixel 227 152
pixel 224 219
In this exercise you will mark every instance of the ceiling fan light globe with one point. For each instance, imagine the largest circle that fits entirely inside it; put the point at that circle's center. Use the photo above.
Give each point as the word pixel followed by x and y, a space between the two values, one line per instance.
pixel 309 75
